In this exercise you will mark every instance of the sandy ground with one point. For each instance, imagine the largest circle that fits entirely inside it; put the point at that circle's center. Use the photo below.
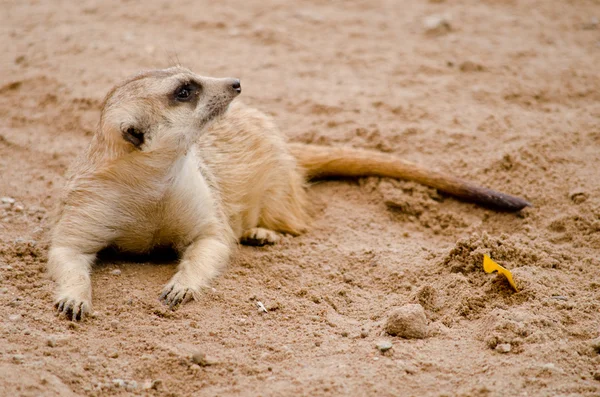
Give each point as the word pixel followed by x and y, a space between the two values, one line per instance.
pixel 507 95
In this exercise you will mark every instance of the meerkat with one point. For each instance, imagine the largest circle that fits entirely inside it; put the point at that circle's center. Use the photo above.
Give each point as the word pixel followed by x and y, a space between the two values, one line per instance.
pixel 175 163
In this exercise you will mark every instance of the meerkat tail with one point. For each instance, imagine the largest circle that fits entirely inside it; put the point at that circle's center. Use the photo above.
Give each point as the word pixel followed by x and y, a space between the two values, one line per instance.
pixel 324 162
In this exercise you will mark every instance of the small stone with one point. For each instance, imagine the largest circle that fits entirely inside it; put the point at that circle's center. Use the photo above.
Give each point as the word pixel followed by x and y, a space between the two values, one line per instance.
pixel 503 348
pixel 18 208
pixel 114 354
pixel 364 334
pixel 384 346
pixel 437 24
pixel 15 303
pixel 593 24
pixel 578 195
pixel 131 385
pixel 18 358
pixel 116 272
pixel 114 324
pixel 202 360
pixel 409 322
pixel 595 344
pixel 7 200
pixel 14 317
pixel 51 342
pixel 550 367
pixel 261 307
pixel 309 15
pixel 3 290
pixel 118 383
pixel 156 384
pixel 596 375
pixel 560 297
pixel 469 66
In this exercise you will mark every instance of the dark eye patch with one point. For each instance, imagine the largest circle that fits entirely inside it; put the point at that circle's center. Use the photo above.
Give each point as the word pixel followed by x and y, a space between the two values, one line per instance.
pixel 134 136
pixel 186 92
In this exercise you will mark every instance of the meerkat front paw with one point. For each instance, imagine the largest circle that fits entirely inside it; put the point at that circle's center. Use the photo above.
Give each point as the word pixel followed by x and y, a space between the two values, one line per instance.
pixel 259 236
pixel 72 307
pixel 177 293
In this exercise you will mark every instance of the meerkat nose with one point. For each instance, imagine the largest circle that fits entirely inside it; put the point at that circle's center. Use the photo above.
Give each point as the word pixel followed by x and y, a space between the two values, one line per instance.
pixel 237 87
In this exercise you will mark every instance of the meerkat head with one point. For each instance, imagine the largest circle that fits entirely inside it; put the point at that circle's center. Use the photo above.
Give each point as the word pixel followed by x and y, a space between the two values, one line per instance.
pixel 163 109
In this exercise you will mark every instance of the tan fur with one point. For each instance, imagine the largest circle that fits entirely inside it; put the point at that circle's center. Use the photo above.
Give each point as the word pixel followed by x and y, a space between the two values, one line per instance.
pixel 203 179
pixel 321 162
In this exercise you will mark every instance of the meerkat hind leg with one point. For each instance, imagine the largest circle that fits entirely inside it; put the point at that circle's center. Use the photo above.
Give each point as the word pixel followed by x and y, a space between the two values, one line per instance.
pixel 259 236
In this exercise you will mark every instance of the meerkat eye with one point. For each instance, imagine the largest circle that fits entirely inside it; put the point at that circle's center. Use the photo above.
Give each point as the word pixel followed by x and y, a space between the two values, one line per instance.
pixel 185 92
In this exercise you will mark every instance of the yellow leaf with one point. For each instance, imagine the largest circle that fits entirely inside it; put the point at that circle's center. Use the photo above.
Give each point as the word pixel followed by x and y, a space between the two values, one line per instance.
pixel 490 266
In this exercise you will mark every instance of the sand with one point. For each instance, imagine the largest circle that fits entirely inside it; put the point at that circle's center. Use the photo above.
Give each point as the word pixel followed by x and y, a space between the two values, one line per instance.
pixel 504 93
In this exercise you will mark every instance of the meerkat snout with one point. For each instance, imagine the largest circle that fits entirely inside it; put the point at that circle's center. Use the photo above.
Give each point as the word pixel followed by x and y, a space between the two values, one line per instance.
pixel 237 86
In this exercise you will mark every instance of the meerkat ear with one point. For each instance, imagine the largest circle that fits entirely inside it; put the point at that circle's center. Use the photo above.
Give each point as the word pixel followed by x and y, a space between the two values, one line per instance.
pixel 133 135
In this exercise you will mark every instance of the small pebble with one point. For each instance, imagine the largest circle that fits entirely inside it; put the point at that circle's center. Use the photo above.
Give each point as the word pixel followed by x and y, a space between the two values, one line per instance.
pixel 116 272
pixel 202 360
pixel 437 24
pixel 7 200
pixel 114 324
pixel 15 303
pixel 548 367
pixel 469 66
pixel 14 317
pixel 409 322
pixel 593 24
pixel 384 346
pixel 18 358
pixel 578 195
pixel 595 344
pixel 560 297
pixel 364 334
pixel 18 208
pixel 503 348
pixel 51 342
pixel 114 355
pixel 156 384
pixel 261 307
pixel 131 385
pixel 118 382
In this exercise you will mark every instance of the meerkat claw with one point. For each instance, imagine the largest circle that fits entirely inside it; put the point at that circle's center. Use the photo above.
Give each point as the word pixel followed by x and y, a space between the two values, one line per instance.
pixel 72 309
